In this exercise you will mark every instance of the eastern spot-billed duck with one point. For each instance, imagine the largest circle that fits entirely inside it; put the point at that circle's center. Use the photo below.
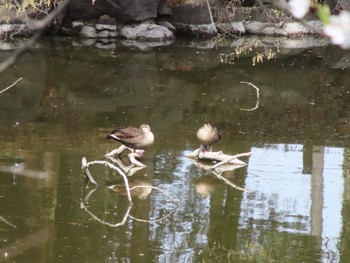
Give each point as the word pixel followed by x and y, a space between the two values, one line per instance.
pixel 134 138
pixel 208 135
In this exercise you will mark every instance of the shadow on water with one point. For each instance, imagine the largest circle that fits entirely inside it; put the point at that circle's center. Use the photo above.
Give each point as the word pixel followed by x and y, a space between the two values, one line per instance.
pixel 71 96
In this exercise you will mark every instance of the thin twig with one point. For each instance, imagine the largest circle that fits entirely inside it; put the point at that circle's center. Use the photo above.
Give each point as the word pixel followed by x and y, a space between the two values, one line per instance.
pixel 257 96
pixel 13 84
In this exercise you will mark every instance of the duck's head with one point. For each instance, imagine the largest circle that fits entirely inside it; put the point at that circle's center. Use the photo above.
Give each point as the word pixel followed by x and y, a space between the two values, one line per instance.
pixel 145 127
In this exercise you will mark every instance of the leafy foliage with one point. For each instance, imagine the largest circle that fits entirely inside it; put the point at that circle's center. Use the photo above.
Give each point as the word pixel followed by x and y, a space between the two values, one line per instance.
pixel 9 10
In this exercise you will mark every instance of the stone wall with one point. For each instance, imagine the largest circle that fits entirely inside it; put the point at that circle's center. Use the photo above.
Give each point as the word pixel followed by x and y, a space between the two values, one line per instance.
pixel 161 20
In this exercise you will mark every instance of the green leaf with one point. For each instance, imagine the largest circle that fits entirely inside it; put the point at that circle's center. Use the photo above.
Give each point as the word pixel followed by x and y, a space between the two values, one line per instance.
pixel 324 13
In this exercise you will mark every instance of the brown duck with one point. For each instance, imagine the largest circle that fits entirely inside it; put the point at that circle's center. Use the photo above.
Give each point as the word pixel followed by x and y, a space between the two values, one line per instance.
pixel 134 138
pixel 208 135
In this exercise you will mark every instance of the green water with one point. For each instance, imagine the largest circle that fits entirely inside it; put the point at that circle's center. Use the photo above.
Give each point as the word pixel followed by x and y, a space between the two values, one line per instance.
pixel 296 205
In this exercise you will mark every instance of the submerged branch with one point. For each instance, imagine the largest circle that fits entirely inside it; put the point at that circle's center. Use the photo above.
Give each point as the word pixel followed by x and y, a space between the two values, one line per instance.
pixel 7 222
pixel 257 96
pixel 13 84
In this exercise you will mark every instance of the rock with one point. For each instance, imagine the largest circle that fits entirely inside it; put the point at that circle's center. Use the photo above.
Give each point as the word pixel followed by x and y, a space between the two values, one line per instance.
pixel 283 29
pixel 205 30
pixel 106 27
pixel 106 22
pixel 194 17
pixel 77 24
pixel 15 30
pixel 106 34
pixel 232 28
pixel 88 32
pixel 166 24
pixel 148 32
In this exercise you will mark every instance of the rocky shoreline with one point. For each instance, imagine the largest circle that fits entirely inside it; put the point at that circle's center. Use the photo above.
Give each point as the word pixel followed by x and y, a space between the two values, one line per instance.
pixel 150 22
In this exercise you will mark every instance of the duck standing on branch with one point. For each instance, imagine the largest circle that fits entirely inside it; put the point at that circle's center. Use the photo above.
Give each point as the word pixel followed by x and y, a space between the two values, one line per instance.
pixel 208 135
pixel 134 138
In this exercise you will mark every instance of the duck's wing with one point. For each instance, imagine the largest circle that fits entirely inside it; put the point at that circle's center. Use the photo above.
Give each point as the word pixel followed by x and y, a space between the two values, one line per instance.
pixel 128 132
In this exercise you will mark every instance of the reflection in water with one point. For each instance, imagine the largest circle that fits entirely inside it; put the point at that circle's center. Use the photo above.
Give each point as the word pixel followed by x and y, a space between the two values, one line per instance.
pixel 297 175
pixel 293 202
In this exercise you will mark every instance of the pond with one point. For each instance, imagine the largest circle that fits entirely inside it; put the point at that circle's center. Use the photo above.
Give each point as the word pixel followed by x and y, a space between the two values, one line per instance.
pixel 292 198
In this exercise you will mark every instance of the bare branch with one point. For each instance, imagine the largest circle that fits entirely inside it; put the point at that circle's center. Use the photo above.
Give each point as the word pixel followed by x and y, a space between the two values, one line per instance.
pixel 85 166
pixel 7 222
pixel 233 159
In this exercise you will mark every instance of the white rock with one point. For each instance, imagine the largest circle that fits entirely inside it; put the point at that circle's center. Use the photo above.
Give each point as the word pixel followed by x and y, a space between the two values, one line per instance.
pixel 148 32
pixel 77 23
pixel 232 27
pixel 203 29
pixel 106 27
pixel 106 34
pixel 88 32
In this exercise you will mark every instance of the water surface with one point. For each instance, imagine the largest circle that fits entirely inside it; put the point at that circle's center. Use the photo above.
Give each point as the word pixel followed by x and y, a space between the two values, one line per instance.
pixel 296 205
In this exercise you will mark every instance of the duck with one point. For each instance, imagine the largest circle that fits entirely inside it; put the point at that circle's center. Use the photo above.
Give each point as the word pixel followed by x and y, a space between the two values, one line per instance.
pixel 134 138
pixel 208 135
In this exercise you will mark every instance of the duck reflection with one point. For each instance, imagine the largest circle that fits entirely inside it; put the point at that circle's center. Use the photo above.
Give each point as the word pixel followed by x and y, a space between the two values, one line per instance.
pixel 228 169
pixel 206 185
pixel 139 187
